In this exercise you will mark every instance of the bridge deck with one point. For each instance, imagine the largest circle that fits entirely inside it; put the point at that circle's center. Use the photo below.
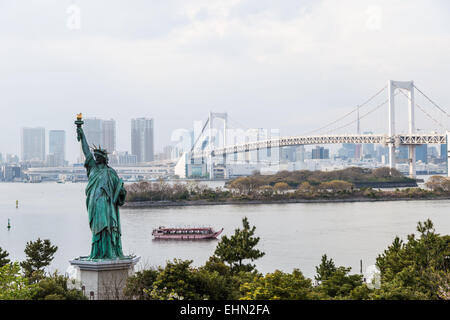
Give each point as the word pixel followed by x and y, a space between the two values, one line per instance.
pixel 415 139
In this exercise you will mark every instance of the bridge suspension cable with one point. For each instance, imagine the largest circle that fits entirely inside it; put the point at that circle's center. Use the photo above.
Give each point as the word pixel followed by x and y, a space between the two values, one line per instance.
pixel 423 110
pixel 200 135
pixel 349 113
pixel 434 103
pixel 361 117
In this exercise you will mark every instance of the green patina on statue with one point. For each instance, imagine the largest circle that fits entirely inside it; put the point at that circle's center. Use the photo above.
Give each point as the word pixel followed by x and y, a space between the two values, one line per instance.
pixel 104 194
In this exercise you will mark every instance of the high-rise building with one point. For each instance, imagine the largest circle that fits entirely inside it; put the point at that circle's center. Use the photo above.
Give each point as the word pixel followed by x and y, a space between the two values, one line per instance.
pixel 33 144
pixel 109 135
pixel 301 153
pixel 57 146
pixel 368 149
pixel 320 153
pixel 100 133
pixel 142 139
pixel 422 153
pixel 402 153
pixel 381 153
pixel 349 150
pixel 288 154
pixel 93 130
pixel 443 153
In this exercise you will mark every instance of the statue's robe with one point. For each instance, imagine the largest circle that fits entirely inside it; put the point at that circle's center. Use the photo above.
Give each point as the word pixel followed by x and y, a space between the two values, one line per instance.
pixel 104 194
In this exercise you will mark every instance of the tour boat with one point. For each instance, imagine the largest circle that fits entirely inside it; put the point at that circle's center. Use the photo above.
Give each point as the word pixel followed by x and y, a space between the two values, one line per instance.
pixel 199 233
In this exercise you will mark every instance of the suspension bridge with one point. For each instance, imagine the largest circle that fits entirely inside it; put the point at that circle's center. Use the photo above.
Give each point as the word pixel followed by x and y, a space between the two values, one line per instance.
pixel 209 150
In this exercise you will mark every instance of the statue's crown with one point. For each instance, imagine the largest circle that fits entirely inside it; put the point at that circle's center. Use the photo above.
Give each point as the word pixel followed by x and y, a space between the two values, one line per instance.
pixel 99 150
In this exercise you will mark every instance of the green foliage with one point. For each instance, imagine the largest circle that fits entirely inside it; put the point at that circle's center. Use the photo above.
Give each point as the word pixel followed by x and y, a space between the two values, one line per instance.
pixel 239 247
pixel 175 281
pixel 55 287
pixel 3 257
pixel 339 284
pixel 415 269
pixel 295 178
pixel 278 286
pixel 39 255
pixel 325 269
pixel 13 286
pixel 134 288
pixel 178 280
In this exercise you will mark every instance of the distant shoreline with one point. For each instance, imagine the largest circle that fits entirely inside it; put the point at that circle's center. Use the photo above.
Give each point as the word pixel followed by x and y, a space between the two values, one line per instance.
pixel 155 204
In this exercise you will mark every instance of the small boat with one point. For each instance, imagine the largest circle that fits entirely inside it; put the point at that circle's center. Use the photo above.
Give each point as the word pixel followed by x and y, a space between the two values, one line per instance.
pixel 199 233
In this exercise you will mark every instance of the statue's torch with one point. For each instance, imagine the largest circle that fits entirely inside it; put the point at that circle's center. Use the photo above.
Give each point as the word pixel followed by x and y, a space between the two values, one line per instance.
pixel 79 122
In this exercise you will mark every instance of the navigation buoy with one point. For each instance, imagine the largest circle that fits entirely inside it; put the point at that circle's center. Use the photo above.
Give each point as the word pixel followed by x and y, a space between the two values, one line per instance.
pixel 17 204
pixel 9 224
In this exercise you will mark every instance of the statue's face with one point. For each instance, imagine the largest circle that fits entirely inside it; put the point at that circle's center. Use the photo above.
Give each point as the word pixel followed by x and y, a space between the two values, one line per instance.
pixel 100 159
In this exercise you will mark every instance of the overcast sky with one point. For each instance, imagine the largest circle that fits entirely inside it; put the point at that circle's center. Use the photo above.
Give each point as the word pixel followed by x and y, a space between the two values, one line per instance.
pixel 293 65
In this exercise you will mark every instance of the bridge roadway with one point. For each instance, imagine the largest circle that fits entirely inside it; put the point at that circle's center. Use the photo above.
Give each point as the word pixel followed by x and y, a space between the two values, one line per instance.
pixel 397 140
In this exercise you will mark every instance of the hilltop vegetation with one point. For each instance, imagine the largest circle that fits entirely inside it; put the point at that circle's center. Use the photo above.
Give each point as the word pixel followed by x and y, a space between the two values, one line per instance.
pixel 352 175
pixel 291 186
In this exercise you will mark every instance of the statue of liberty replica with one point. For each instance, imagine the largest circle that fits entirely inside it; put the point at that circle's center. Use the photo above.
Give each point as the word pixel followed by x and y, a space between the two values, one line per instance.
pixel 105 192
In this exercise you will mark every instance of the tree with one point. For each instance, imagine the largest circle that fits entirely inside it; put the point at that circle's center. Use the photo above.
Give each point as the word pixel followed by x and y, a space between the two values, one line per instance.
pixel 416 269
pixel 339 284
pixel 386 173
pixel 281 187
pixel 13 286
pixel 336 185
pixel 278 286
pixel 325 269
pixel 246 185
pixel 305 188
pixel 55 287
pixel 239 247
pixel 135 285
pixel 3 257
pixel 438 183
pixel 266 191
pixel 175 281
pixel 39 255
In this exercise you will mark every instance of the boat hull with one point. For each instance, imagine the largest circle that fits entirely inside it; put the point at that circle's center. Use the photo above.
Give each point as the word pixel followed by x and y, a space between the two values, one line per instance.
pixel 188 236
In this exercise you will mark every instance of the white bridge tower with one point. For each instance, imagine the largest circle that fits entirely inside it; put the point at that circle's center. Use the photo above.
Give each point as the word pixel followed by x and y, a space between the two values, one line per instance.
pixel 408 86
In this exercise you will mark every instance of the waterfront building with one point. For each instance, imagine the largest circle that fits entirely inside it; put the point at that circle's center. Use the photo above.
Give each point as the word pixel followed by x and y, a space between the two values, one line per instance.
pixel 57 147
pixel 142 139
pixel 33 144
pixel 10 172
pixel 122 158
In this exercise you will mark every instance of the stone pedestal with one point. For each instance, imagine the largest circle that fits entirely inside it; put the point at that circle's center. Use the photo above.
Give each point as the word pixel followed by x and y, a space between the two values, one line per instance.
pixel 103 279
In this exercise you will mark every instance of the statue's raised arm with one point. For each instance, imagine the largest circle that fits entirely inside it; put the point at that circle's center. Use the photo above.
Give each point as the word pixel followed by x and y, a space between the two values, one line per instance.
pixel 81 137
pixel 84 145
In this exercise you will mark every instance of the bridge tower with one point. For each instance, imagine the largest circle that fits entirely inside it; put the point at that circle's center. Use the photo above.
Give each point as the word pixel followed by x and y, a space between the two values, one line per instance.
pixel 212 116
pixel 408 86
